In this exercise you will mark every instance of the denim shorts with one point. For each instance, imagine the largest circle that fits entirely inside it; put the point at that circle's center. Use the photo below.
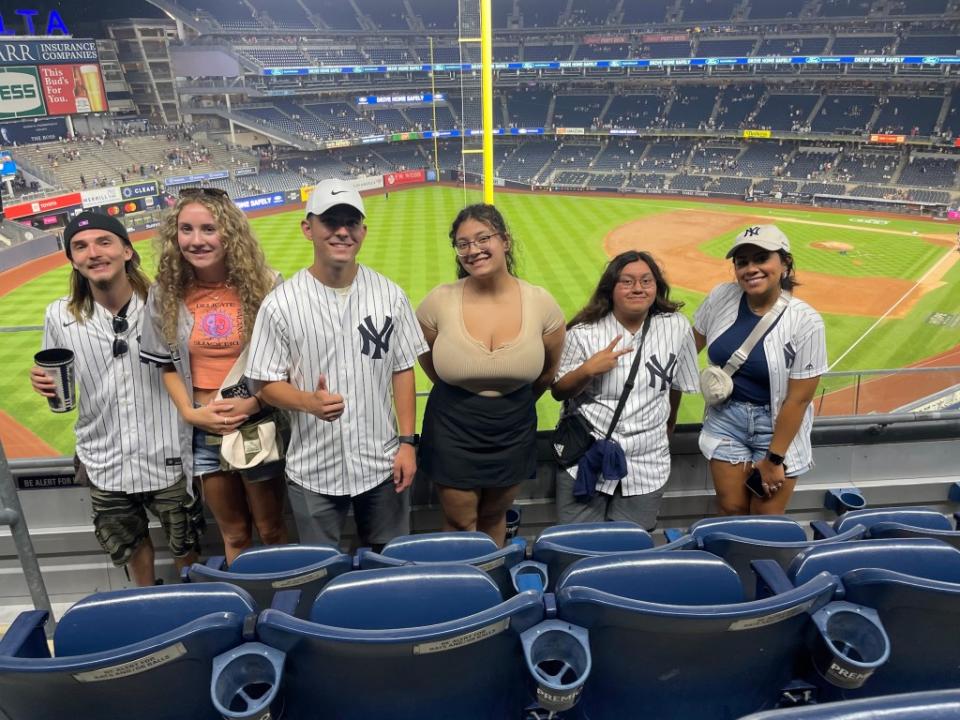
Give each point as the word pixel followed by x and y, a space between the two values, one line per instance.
pixel 739 432
pixel 206 456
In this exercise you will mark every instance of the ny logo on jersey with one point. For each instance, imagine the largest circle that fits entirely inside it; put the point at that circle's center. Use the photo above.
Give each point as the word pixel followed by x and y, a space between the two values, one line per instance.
pixel 664 373
pixel 752 231
pixel 789 355
pixel 377 341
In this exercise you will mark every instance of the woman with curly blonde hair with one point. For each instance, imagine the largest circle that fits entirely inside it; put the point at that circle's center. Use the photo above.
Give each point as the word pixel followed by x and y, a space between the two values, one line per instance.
pixel 211 278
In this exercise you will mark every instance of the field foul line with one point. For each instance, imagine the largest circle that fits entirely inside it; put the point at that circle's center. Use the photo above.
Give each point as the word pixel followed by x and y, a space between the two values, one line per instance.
pixel 947 256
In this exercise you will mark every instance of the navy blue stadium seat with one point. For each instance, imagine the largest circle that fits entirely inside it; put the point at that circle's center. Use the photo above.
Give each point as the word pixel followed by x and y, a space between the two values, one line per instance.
pixel 264 571
pixel 473 548
pixel 904 522
pixel 742 539
pixel 671 636
pixel 137 652
pixel 914 585
pixel 407 643
pixel 562 545
pixel 936 705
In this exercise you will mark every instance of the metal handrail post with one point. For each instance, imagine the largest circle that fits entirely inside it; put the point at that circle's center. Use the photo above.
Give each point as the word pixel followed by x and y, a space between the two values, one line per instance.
pixel 11 513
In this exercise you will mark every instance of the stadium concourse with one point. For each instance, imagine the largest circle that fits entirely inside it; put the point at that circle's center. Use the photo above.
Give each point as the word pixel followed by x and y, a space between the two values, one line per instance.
pixel 676 121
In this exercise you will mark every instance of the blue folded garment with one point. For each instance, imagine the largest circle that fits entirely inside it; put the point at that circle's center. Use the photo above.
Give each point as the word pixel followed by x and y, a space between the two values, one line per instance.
pixel 604 459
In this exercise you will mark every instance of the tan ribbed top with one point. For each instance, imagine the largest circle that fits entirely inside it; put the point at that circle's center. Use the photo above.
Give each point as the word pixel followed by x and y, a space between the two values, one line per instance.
pixel 464 361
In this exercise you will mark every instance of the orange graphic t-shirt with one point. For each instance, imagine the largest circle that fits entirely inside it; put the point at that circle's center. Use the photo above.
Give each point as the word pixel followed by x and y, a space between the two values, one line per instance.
pixel 217 338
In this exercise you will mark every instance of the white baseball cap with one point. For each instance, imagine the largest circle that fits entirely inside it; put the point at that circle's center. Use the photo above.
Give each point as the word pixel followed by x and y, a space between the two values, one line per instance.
pixel 768 237
pixel 330 193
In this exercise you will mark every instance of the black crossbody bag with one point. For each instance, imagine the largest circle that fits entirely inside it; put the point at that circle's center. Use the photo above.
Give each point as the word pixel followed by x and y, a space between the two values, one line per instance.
pixel 573 437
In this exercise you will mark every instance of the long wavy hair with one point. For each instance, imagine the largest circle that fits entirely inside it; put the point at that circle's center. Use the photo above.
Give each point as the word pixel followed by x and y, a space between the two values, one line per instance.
pixel 80 304
pixel 488 215
pixel 601 302
pixel 247 269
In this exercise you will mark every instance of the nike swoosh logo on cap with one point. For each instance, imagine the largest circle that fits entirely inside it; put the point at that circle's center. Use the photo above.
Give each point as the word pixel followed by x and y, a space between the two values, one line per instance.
pixel 337 192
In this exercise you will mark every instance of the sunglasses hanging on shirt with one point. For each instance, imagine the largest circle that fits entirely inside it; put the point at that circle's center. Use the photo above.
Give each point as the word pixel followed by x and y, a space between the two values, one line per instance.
pixel 120 325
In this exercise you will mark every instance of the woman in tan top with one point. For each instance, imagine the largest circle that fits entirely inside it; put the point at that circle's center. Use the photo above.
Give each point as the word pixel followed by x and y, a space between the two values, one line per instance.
pixel 495 343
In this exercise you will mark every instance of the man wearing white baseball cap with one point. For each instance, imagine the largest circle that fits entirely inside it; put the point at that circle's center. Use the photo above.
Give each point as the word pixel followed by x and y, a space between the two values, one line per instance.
pixel 336 345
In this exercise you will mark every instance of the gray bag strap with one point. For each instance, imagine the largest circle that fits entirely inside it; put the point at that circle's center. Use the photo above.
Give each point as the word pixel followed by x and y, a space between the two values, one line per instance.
pixel 740 355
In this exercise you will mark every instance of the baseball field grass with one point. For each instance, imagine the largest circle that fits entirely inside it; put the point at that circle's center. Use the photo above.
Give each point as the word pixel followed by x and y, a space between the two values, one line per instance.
pixel 560 245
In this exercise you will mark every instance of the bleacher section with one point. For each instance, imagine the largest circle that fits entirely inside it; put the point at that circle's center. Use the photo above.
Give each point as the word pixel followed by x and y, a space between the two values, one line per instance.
pixel 692 107
pixel 930 172
pixel 578 110
pixel 528 108
pixel 908 115
pixel 783 112
pixel 635 111
pixel 849 114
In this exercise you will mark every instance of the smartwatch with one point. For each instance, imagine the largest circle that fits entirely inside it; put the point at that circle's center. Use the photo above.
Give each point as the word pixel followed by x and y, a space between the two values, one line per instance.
pixel 774 458
pixel 409 439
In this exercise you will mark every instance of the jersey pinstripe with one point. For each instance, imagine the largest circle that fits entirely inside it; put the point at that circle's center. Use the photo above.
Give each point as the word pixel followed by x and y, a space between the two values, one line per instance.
pixel 127 424
pixel 796 348
pixel 303 331
pixel 668 361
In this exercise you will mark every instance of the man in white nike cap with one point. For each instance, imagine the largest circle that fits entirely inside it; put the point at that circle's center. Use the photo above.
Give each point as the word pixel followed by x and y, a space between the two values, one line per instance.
pixel 336 345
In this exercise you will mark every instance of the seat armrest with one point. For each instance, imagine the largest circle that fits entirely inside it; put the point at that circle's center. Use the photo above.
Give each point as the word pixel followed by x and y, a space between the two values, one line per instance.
pixel 522 542
pixel 216 562
pixel 286 601
pixel 359 555
pixel 673 534
pixel 26 638
pixel 822 529
pixel 771 579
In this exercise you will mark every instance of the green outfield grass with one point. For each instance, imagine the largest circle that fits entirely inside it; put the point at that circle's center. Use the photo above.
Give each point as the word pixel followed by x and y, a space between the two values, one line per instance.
pixel 559 242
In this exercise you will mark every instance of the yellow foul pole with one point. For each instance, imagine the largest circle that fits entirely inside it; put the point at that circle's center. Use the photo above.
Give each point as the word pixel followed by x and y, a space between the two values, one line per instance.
pixel 486 96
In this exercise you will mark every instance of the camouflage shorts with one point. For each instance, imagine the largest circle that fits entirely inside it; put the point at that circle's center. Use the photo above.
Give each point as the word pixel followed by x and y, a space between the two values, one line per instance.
pixel 120 520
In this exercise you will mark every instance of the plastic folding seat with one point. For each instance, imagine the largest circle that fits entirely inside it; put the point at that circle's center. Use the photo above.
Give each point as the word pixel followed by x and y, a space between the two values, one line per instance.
pixel 138 652
pixel 560 546
pixel 417 642
pixel 914 585
pixel 264 571
pixel 905 522
pixel 936 705
pixel 742 539
pixel 671 636
pixel 472 548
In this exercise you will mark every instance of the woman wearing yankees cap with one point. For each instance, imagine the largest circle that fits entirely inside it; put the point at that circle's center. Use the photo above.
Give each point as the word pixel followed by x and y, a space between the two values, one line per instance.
pixel 763 428
pixel 211 278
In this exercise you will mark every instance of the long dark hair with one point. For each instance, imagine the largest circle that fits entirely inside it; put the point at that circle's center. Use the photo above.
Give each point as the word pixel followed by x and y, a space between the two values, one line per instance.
pixel 488 215
pixel 601 302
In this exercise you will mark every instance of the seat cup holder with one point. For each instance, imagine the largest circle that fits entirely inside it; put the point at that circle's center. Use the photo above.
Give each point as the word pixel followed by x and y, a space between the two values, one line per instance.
pixel 513 522
pixel 246 681
pixel 844 500
pixel 558 657
pixel 849 644
pixel 529 575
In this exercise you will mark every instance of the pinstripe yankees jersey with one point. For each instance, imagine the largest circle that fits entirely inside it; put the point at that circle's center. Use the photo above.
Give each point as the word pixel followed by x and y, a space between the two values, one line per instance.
pixel 127 427
pixel 796 348
pixel 303 331
pixel 668 362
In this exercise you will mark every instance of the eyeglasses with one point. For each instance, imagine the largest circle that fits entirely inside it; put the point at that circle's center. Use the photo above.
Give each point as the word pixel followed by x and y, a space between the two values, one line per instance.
pixel 209 192
pixel 758 258
pixel 120 325
pixel 481 242
pixel 628 283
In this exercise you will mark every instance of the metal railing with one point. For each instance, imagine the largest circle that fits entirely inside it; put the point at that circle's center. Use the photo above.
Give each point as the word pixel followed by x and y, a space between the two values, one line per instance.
pixel 886 391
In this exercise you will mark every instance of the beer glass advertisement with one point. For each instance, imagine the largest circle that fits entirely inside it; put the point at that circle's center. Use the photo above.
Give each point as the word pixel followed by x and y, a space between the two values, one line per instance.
pixel 72 89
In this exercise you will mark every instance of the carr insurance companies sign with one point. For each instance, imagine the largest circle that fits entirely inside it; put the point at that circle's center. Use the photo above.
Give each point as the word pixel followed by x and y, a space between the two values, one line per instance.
pixel 20 94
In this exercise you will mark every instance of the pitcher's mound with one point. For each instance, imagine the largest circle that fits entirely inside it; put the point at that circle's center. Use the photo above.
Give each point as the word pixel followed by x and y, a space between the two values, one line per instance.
pixel 830 245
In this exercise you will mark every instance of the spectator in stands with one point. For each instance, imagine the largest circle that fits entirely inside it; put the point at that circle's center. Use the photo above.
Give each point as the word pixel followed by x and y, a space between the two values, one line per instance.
pixel 211 279
pixel 765 424
pixel 131 465
pixel 336 344
pixel 495 342
pixel 630 311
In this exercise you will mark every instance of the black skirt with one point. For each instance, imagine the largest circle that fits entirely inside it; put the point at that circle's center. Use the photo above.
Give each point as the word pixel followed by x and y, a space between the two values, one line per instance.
pixel 473 441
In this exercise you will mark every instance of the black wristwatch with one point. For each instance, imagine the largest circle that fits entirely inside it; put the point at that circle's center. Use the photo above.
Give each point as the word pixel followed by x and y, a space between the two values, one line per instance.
pixel 774 458
pixel 409 439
